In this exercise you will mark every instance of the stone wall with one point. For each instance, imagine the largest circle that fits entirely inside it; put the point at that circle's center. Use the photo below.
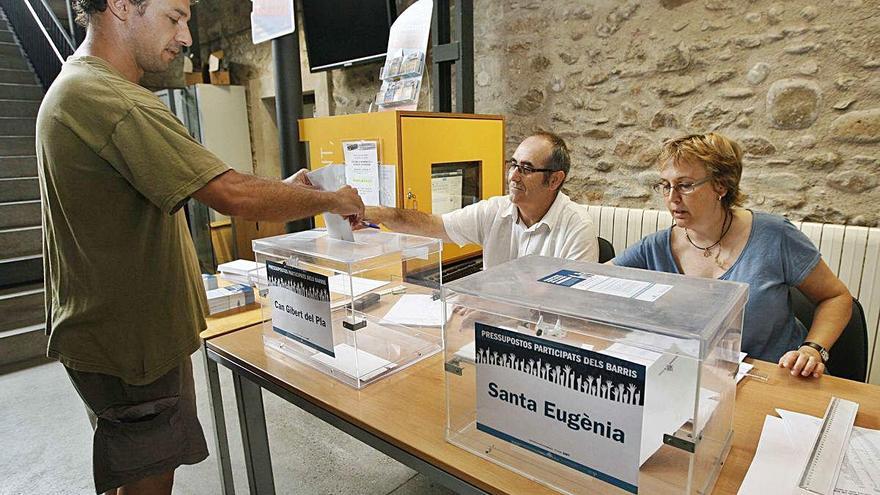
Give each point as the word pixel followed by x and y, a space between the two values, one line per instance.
pixel 796 82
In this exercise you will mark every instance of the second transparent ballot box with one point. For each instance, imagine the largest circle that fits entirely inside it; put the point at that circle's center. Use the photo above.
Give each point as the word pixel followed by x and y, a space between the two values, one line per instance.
pixel 357 311
pixel 594 378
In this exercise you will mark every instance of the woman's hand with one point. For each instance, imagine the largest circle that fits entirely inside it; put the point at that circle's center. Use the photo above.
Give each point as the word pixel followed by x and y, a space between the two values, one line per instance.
pixel 805 361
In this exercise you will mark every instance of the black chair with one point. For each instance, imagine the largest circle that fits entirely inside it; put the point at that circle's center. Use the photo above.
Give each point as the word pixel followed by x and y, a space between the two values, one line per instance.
pixel 606 251
pixel 848 358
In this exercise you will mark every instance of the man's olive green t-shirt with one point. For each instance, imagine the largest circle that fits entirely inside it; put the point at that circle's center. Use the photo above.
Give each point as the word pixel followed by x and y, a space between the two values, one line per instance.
pixel 124 294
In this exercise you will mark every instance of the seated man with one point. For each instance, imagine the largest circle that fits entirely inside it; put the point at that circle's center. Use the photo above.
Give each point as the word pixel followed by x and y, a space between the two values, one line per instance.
pixel 535 218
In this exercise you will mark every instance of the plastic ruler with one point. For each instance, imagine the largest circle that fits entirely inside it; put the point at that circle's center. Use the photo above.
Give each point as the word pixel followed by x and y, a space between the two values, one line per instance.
pixel 823 465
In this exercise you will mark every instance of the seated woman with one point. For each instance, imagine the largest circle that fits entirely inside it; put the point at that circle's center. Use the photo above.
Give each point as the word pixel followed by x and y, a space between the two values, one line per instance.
pixel 711 237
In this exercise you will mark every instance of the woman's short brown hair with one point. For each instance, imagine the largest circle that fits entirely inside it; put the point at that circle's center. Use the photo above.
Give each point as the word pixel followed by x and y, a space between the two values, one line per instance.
pixel 721 156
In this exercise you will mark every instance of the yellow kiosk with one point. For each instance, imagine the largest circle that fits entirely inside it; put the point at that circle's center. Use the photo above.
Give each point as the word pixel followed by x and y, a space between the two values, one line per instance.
pixel 441 161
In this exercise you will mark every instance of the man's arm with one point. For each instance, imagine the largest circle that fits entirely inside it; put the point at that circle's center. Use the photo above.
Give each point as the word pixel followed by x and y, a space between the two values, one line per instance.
pixel 258 199
pixel 408 221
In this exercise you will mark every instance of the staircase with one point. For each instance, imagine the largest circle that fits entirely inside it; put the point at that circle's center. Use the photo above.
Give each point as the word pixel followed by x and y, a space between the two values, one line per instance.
pixel 22 318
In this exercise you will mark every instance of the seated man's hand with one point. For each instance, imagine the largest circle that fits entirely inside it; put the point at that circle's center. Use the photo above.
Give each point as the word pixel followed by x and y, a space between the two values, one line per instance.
pixel 373 214
pixel 805 361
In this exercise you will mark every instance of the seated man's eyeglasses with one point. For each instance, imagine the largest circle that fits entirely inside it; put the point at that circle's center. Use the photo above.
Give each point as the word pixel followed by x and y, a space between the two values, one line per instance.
pixel 665 188
pixel 525 168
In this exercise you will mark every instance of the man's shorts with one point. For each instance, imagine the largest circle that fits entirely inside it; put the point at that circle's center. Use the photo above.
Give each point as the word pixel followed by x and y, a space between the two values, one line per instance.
pixel 140 431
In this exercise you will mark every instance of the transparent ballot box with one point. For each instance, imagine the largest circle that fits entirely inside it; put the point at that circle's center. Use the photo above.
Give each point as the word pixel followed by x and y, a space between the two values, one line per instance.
pixel 592 378
pixel 357 311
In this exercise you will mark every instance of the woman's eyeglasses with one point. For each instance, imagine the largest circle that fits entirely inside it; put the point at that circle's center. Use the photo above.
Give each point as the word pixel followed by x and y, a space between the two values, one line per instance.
pixel 683 188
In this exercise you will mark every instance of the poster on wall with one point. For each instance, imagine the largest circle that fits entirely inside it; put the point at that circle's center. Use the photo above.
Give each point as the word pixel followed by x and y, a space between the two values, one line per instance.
pixel 362 169
pixel 301 306
pixel 577 407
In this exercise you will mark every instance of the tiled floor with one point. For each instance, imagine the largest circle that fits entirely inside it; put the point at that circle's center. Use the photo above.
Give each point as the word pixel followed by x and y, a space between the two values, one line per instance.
pixel 46 444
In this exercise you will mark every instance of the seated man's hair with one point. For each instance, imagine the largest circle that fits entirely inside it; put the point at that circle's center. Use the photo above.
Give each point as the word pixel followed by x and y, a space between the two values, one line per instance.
pixel 560 159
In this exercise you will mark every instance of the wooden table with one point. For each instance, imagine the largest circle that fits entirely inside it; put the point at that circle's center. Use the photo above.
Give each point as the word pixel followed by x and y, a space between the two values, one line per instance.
pixel 403 415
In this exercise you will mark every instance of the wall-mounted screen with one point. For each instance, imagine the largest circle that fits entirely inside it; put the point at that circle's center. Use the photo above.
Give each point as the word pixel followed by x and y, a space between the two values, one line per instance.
pixel 341 33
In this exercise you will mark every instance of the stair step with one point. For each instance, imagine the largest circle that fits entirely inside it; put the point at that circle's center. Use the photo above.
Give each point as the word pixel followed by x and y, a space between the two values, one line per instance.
pixel 15 167
pixel 13 62
pixel 21 189
pixel 22 270
pixel 21 241
pixel 18 108
pixel 20 214
pixel 23 344
pixel 7 37
pixel 27 92
pixel 10 49
pixel 17 126
pixel 22 309
pixel 7 291
pixel 17 76
pixel 17 145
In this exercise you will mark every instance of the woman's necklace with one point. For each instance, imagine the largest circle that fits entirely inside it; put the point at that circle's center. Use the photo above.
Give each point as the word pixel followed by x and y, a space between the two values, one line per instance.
pixel 728 221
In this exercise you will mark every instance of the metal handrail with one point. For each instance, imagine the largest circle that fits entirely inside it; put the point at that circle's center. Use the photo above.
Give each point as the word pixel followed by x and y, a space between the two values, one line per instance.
pixel 43 28
pixel 41 35
pixel 57 22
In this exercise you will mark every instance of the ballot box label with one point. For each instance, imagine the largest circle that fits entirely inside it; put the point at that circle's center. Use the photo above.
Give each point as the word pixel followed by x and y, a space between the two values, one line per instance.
pixel 301 306
pixel 580 408
pixel 612 286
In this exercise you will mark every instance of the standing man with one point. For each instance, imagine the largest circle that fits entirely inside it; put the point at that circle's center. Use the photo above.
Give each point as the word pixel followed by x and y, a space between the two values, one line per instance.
pixel 535 218
pixel 125 301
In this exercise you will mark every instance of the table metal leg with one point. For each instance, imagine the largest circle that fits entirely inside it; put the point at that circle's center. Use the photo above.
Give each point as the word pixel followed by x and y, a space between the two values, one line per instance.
pixel 221 442
pixel 252 419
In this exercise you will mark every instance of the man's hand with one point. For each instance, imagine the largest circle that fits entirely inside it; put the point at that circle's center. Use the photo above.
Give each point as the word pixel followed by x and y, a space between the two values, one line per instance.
pixel 373 214
pixel 300 179
pixel 348 203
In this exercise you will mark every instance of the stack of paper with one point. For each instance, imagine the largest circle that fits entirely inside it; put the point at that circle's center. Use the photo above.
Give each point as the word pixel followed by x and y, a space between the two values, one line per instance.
pixel 237 271
pixel 231 297
pixel 355 363
pixel 209 281
pixel 785 447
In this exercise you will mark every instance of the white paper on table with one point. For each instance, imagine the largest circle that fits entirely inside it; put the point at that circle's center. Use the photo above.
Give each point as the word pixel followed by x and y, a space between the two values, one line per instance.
pixel 350 362
pixel 238 267
pixel 743 370
pixel 362 169
pixel 777 465
pixel 331 178
pixel 860 471
pixel 419 310
pixel 358 285
pixel 388 185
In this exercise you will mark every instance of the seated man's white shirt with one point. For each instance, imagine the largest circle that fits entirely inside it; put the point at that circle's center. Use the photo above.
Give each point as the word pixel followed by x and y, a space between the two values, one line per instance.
pixel 566 231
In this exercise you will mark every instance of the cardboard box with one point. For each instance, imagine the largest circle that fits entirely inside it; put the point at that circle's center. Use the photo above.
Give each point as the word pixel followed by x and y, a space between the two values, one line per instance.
pixel 220 77
pixel 191 78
